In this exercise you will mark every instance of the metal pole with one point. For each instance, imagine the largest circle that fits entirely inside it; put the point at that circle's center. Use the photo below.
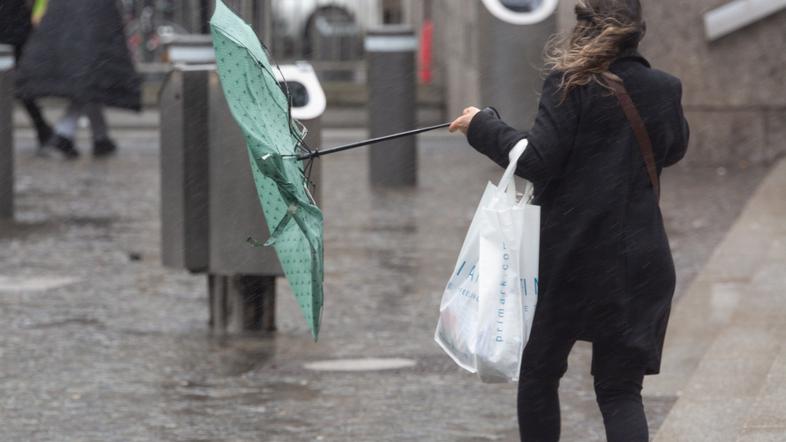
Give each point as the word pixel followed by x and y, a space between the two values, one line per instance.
pixel 6 132
pixel 391 82
pixel 264 18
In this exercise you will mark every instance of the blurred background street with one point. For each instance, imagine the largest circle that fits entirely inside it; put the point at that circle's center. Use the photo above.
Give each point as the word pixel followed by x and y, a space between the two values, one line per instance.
pixel 100 342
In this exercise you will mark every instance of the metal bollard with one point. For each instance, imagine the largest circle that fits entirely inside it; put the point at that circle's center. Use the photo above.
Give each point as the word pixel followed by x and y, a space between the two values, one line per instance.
pixel 6 132
pixel 391 68
pixel 511 36
pixel 242 278
pixel 184 169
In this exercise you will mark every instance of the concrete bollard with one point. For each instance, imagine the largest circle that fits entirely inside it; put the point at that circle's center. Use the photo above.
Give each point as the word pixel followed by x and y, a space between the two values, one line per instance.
pixel 390 52
pixel 6 132
pixel 184 169
pixel 510 42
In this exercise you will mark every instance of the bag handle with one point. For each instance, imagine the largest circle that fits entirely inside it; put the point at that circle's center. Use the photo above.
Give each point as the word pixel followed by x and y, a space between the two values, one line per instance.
pixel 507 184
pixel 642 136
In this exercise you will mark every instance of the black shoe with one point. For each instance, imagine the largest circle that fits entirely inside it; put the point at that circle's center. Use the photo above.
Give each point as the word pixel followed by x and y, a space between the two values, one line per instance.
pixel 60 147
pixel 44 134
pixel 103 148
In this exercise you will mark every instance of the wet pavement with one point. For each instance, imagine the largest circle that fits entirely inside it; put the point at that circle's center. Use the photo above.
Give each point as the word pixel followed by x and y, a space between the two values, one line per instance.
pixel 99 343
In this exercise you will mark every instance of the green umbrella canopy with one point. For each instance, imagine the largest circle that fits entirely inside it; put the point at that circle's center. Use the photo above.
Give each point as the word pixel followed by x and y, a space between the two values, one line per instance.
pixel 274 140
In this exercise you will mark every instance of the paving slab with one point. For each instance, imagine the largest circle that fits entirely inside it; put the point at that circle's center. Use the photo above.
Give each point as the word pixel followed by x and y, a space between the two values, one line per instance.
pixel 769 411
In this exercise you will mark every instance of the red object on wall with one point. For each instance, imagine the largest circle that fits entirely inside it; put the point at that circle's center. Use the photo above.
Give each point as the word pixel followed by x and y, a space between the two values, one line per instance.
pixel 426 45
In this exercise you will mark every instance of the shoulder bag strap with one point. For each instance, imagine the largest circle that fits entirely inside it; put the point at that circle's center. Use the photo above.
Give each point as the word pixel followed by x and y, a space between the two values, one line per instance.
pixel 642 136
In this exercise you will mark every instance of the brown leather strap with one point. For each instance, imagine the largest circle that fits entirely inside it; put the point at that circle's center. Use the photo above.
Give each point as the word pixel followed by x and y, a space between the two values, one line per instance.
pixel 642 136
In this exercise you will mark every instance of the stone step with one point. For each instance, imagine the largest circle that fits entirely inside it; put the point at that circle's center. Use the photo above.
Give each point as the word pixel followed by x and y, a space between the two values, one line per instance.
pixel 729 329
pixel 716 403
pixel 767 419
pixel 709 304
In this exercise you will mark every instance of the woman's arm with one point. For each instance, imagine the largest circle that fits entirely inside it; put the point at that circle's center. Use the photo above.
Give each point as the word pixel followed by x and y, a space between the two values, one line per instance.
pixel 550 139
pixel 677 152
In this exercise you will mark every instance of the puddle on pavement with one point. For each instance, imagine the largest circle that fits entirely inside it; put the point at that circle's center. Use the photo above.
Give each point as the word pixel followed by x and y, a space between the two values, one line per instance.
pixel 40 283
pixel 247 396
pixel 238 355
pixel 80 322
pixel 20 230
pixel 42 225
pixel 354 365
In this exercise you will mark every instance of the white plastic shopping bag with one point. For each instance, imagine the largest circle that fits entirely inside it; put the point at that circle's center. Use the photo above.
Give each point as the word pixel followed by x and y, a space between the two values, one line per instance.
pixel 487 307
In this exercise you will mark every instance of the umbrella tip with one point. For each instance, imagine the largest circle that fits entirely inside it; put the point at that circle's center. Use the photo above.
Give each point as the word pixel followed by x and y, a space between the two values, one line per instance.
pixel 219 9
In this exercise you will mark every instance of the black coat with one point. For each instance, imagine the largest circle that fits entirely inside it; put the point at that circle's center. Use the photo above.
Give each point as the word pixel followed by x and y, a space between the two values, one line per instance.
pixel 79 52
pixel 15 24
pixel 606 271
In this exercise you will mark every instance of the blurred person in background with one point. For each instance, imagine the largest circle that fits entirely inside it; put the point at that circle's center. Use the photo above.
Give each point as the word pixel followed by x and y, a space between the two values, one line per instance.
pixel 79 53
pixel 15 29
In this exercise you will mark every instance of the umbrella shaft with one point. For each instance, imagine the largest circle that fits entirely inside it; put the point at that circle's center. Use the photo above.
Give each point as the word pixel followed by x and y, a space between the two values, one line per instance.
pixel 371 141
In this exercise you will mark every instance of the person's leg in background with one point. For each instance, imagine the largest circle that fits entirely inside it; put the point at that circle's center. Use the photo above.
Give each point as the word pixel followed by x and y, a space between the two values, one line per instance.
pixel 42 128
pixel 102 144
pixel 62 143
pixel 618 385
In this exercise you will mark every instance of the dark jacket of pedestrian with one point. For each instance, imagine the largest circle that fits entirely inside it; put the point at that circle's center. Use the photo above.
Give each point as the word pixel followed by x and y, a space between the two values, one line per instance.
pixel 15 26
pixel 79 52
pixel 606 270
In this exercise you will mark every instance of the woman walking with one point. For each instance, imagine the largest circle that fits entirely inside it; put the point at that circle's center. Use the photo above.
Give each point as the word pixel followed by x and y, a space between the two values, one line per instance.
pixel 606 126
pixel 79 52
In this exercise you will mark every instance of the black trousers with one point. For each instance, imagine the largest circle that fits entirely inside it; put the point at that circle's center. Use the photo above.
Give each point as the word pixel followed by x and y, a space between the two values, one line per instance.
pixel 36 116
pixel 617 391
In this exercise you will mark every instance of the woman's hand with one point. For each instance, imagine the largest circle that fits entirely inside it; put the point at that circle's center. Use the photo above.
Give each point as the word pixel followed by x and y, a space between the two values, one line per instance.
pixel 462 123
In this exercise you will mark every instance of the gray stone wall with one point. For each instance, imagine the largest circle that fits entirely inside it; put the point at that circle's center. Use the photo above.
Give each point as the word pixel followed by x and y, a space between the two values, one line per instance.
pixel 734 88
pixel 456 53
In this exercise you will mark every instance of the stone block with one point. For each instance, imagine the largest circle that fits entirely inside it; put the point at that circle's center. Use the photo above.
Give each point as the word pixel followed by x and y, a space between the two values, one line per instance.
pixel 742 69
pixel 736 365
pixel 762 435
pixel 730 136
pixel 704 420
pixel 769 410
pixel 776 131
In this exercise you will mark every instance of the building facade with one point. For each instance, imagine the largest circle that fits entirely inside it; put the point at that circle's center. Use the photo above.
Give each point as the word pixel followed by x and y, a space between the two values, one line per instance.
pixel 734 87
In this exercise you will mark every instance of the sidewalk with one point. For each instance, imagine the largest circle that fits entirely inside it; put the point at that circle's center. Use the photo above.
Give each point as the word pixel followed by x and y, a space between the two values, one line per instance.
pixel 725 355
pixel 98 342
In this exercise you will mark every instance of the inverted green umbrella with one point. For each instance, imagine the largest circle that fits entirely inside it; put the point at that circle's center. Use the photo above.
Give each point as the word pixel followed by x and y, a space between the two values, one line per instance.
pixel 261 108
pixel 279 157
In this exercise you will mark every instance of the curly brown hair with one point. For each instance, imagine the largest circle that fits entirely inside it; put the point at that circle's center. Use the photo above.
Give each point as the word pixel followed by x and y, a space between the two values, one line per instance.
pixel 604 29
